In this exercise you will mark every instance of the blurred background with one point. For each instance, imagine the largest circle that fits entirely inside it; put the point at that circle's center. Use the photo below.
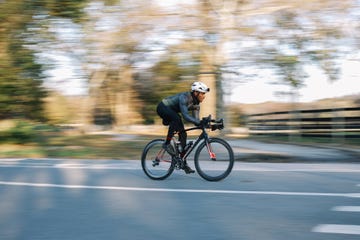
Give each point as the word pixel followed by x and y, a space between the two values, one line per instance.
pixel 275 68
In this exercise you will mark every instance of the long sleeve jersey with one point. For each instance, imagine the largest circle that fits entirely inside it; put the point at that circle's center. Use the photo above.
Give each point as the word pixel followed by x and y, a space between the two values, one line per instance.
pixel 183 103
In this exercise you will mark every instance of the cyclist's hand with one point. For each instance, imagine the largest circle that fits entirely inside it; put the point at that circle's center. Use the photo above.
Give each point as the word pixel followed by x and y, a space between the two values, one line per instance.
pixel 198 124
pixel 201 123
pixel 205 121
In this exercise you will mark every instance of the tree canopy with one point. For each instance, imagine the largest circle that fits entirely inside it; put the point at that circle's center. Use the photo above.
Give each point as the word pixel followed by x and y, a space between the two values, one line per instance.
pixel 143 47
pixel 21 74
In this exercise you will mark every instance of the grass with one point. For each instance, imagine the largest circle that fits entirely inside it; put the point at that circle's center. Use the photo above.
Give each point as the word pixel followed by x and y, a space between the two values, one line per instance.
pixel 60 144
pixel 77 146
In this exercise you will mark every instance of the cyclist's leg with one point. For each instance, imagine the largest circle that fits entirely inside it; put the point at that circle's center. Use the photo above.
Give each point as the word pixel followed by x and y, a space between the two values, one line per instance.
pixel 170 116
pixel 175 125
pixel 182 139
pixel 165 113
pixel 182 134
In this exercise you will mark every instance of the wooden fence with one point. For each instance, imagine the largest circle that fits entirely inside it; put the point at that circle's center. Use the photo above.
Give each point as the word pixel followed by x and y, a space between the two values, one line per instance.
pixel 325 123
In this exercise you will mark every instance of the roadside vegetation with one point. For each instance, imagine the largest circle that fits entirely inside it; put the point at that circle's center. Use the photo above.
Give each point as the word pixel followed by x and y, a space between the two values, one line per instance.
pixel 24 139
pixel 28 140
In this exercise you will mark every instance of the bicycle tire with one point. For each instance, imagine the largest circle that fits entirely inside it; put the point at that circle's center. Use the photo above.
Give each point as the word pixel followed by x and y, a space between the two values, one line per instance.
pixel 218 167
pixel 156 163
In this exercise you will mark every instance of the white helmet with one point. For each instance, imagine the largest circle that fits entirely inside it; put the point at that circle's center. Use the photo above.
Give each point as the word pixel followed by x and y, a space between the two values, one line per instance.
pixel 200 87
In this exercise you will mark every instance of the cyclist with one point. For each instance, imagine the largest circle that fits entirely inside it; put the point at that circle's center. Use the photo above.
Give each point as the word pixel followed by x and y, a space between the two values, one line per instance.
pixel 169 108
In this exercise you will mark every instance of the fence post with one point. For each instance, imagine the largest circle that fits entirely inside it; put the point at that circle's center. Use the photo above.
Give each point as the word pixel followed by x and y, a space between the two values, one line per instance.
pixel 337 125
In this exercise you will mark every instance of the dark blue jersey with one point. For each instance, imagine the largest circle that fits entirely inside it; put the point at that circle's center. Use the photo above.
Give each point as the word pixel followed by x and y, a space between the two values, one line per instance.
pixel 183 103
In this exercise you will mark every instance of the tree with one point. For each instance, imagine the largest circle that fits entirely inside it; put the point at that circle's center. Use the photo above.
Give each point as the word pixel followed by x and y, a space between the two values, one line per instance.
pixel 297 35
pixel 21 75
pixel 21 93
pixel 119 41
pixel 286 37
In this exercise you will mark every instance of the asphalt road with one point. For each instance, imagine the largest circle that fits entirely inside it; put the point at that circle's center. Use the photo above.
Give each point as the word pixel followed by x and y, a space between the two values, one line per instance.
pixel 103 199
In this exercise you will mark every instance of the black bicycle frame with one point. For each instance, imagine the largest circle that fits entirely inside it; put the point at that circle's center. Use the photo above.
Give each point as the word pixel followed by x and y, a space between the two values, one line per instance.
pixel 202 136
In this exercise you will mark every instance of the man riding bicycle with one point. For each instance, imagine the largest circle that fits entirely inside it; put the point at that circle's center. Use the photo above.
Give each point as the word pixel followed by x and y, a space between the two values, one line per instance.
pixel 169 108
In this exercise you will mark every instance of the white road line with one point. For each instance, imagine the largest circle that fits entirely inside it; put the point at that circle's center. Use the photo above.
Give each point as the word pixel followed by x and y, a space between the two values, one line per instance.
pixel 135 165
pixel 337 228
pixel 140 189
pixel 346 208
pixel 73 166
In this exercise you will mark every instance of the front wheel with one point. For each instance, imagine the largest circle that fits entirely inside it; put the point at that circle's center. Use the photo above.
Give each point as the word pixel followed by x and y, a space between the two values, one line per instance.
pixel 155 161
pixel 214 159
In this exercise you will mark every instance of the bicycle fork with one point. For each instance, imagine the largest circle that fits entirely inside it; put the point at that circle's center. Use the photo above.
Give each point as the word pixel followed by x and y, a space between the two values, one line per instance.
pixel 210 151
pixel 212 155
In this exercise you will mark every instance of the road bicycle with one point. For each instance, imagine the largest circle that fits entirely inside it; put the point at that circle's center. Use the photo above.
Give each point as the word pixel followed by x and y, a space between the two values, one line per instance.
pixel 213 157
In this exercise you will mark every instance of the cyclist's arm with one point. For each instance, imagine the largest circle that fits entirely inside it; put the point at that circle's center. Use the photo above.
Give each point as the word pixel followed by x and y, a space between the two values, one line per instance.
pixel 185 112
pixel 195 111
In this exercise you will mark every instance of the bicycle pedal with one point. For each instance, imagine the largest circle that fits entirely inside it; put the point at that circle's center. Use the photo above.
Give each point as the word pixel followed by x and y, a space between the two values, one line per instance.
pixel 156 163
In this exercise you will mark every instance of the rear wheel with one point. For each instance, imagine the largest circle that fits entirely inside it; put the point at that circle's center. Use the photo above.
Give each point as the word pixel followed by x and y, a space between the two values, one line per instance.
pixel 155 161
pixel 215 160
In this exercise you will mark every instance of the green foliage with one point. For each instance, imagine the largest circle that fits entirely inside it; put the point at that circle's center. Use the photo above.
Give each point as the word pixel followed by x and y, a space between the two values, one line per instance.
pixel 22 132
pixel 22 91
pixel 168 78
pixel 73 9
pixel 21 76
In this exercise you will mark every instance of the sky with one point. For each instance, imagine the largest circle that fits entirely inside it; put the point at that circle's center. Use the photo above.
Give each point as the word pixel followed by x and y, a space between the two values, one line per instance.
pixel 317 86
